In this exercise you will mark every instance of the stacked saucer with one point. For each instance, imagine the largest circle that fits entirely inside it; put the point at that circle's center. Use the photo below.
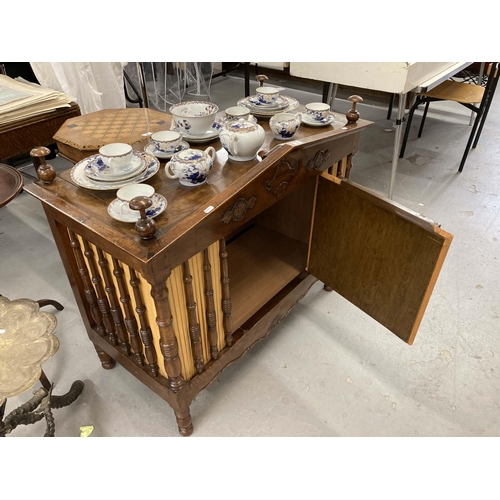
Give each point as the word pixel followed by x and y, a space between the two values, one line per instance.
pixel 267 102
pixel 211 134
pixel 116 165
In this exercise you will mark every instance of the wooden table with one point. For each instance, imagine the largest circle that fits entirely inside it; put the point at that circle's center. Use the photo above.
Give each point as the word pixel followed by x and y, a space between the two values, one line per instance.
pixel 232 257
pixel 82 136
pixel 22 136
pixel 11 183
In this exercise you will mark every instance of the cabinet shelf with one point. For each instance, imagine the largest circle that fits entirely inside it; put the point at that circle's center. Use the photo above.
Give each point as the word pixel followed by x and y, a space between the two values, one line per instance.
pixel 261 262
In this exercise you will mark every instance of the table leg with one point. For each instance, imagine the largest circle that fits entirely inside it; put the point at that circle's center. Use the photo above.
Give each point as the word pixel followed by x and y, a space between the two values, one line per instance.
pixel 397 141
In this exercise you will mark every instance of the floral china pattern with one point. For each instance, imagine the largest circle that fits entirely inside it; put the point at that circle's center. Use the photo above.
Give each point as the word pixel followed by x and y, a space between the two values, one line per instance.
pixel 191 167
pixel 185 110
pixel 285 130
pixel 316 115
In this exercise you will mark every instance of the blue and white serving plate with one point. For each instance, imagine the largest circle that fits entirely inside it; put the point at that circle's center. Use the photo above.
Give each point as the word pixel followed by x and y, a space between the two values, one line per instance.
pixel 264 111
pixel 317 123
pixel 150 148
pixel 79 177
pixel 120 211
pixel 99 171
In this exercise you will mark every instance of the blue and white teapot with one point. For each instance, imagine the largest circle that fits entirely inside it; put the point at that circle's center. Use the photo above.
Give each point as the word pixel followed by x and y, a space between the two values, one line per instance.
pixel 242 139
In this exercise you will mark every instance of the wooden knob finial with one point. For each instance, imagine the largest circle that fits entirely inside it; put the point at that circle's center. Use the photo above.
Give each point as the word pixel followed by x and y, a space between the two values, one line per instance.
pixel 352 115
pixel 145 226
pixel 46 173
pixel 261 79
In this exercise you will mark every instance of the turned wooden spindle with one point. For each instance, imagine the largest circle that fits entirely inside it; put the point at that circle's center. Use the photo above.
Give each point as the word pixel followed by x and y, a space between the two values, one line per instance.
pixel 102 301
pixel 45 172
pixel 130 321
pixel 145 226
pixel 226 296
pixel 194 326
pixel 261 79
pixel 168 341
pixel 145 331
pixel 210 308
pixel 352 115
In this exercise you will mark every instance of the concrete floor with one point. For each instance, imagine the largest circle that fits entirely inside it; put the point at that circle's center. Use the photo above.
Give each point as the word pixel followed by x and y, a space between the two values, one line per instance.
pixel 327 369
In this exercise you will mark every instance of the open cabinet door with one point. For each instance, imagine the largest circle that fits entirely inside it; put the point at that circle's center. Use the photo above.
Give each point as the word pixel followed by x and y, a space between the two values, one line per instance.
pixel 377 254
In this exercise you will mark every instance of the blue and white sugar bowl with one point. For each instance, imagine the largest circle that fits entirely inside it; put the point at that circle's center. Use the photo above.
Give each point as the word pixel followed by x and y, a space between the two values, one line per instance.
pixel 191 166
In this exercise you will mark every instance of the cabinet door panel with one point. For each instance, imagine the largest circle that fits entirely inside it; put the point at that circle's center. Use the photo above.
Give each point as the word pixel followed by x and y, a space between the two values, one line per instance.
pixel 377 254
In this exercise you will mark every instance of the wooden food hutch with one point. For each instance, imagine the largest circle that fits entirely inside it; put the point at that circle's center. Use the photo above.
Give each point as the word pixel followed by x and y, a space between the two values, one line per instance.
pixel 231 258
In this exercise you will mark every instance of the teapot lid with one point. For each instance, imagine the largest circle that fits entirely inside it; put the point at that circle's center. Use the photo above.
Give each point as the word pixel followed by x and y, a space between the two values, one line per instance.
pixel 189 155
pixel 243 126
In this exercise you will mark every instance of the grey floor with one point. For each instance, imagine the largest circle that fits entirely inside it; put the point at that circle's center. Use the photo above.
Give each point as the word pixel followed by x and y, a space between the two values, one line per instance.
pixel 327 369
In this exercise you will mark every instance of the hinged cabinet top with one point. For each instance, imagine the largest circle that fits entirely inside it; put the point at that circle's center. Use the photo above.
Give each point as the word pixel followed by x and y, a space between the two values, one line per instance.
pixel 85 210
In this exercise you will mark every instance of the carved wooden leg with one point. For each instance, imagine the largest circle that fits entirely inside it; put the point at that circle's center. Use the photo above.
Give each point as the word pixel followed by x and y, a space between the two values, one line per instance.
pixel 184 422
pixel 106 360
pixel 326 288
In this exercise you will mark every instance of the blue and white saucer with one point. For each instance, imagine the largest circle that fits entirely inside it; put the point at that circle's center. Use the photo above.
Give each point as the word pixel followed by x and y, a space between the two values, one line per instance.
pixel 318 123
pixel 150 148
pixel 279 103
pixel 99 171
pixel 119 210
pixel 209 135
pixel 79 177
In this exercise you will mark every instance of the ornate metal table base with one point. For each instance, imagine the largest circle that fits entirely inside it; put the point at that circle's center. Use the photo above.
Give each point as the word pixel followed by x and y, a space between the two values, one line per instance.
pixel 38 407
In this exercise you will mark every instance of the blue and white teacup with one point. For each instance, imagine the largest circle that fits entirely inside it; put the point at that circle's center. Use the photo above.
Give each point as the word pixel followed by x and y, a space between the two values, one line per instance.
pixel 166 141
pixel 191 166
pixel 284 125
pixel 317 111
pixel 237 112
pixel 267 95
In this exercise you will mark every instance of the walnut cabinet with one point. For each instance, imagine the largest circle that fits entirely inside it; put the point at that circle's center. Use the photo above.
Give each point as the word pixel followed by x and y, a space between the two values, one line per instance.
pixel 231 258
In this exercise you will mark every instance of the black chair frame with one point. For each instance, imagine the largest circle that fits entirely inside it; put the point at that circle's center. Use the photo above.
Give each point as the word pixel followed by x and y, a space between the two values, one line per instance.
pixel 481 114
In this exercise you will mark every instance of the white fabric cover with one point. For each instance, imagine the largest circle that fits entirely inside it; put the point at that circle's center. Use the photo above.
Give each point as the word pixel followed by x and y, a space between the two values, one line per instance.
pixel 93 85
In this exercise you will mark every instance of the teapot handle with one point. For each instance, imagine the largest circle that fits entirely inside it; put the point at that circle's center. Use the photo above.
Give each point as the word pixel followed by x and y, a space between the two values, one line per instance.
pixel 211 152
pixel 232 144
pixel 230 138
pixel 169 175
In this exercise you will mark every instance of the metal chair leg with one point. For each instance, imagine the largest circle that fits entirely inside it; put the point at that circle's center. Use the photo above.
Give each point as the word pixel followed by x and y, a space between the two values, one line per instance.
pixel 391 105
pixel 489 98
pixel 424 116
pixel 408 125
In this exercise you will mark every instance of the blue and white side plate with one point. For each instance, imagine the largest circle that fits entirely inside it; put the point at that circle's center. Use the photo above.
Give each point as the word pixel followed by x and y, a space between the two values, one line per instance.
pixel 150 148
pixel 120 211
pixel 79 177
pixel 316 123
pixel 99 171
